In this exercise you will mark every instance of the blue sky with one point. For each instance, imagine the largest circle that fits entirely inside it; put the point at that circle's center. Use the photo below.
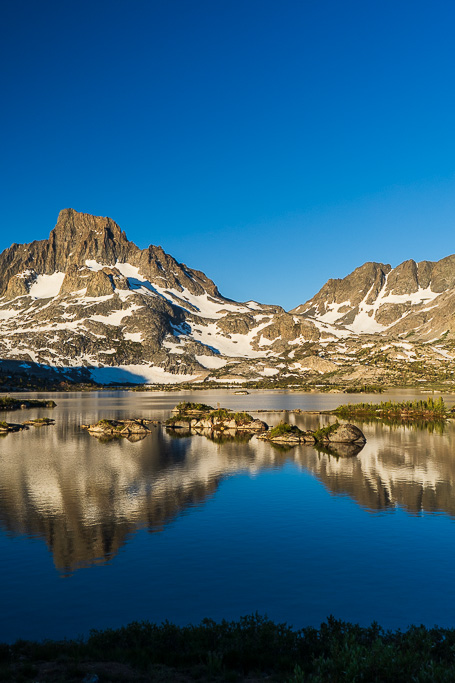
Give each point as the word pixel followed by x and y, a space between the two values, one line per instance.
pixel 270 144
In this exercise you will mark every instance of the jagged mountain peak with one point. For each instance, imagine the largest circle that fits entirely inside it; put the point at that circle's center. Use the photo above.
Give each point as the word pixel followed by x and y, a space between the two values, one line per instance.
pixel 87 298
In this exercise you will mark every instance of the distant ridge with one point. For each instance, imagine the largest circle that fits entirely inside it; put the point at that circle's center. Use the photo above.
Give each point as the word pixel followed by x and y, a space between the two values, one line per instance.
pixel 89 301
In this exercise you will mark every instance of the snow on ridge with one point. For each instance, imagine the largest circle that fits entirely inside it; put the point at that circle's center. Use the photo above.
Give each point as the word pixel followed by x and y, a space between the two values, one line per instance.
pixel 268 372
pixel 205 305
pixel 332 314
pixel 365 320
pixel 173 347
pixel 116 317
pixel 414 298
pixel 234 346
pixel 337 332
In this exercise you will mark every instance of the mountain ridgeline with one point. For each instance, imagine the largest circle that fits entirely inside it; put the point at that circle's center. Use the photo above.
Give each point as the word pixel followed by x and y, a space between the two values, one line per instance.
pixel 90 305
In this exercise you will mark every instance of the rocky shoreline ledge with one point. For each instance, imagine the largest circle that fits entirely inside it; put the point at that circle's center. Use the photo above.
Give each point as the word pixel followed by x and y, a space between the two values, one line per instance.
pixel 6 427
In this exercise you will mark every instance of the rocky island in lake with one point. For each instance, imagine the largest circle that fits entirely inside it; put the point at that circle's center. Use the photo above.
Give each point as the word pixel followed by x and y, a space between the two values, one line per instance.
pixel 115 428
pixel 331 434
pixel 202 418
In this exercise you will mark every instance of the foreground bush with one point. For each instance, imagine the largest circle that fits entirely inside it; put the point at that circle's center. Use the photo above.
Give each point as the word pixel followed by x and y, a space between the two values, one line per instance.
pixel 253 646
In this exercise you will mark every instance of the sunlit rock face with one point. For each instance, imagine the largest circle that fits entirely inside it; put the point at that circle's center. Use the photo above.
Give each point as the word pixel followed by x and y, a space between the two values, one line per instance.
pixel 92 306
pixel 377 298
pixel 85 498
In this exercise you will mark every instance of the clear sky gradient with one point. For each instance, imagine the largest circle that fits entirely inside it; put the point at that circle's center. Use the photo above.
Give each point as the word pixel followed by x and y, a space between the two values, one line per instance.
pixel 270 144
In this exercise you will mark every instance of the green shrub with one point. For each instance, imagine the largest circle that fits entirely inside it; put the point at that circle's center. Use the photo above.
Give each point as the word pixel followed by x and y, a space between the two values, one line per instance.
pixel 242 418
pixel 420 408
pixel 221 414
pixel 323 432
pixel 284 428
pixel 184 406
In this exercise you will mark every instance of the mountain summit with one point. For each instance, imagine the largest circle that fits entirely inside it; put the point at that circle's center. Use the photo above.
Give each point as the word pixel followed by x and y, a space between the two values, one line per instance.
pixel 91 304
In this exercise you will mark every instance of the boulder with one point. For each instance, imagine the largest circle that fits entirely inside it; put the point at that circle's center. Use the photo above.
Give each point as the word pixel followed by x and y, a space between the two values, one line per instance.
pixel 346 433
pixel 254 426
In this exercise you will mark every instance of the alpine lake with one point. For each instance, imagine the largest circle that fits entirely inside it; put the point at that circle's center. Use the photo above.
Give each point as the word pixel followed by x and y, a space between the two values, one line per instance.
pixel 97 534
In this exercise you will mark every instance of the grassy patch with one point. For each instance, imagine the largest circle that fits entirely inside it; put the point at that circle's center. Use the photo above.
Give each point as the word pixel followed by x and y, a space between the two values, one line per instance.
pixel 323 432
pixel 242 418
pixel 185 406
pixel 425 408
pixel 9 403
pixel 283 429
pixel 364 389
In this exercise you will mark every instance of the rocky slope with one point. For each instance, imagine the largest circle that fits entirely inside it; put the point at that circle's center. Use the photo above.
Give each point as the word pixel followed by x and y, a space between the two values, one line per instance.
pixel 90 303
pixel 417 298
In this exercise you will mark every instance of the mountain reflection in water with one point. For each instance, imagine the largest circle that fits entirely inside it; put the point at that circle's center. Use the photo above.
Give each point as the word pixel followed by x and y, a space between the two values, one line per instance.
pixel 85 497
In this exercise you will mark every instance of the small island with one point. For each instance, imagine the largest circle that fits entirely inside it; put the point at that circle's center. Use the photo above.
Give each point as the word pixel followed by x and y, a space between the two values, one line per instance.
pixel 9 403
pixel 335 433
pixel 428 409
pixel 202 418
pixel 128 427
pixel 6 427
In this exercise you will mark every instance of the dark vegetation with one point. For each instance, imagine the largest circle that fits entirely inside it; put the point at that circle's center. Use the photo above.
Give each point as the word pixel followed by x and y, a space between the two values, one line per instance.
pixel 9 403
pixel 428 409
pixel 364 389
pixel 111 424
pixel 188 411
pixel 252 648
pixel 186 406
pixel 323 432
pixel 284 429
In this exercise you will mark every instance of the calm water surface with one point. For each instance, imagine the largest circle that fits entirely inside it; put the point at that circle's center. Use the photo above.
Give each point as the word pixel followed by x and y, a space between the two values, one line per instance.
pixel 99 534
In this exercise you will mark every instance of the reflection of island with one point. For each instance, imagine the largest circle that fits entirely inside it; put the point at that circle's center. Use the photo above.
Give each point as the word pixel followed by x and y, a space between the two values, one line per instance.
pixel 397 467
pixel 84 497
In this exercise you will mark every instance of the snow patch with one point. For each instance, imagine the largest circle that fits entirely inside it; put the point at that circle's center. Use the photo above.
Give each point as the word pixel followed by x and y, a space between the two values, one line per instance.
pixel 211 362
pixel 269 372
pixel 139 374
pixel 133 336
pixel 47 286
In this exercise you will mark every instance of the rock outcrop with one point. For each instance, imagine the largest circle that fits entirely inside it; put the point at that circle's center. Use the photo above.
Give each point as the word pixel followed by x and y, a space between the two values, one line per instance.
pixel 332 435
pixel 128 427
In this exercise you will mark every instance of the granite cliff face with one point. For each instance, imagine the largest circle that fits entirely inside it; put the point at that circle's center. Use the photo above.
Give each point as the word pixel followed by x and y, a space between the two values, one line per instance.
pixel 91 303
